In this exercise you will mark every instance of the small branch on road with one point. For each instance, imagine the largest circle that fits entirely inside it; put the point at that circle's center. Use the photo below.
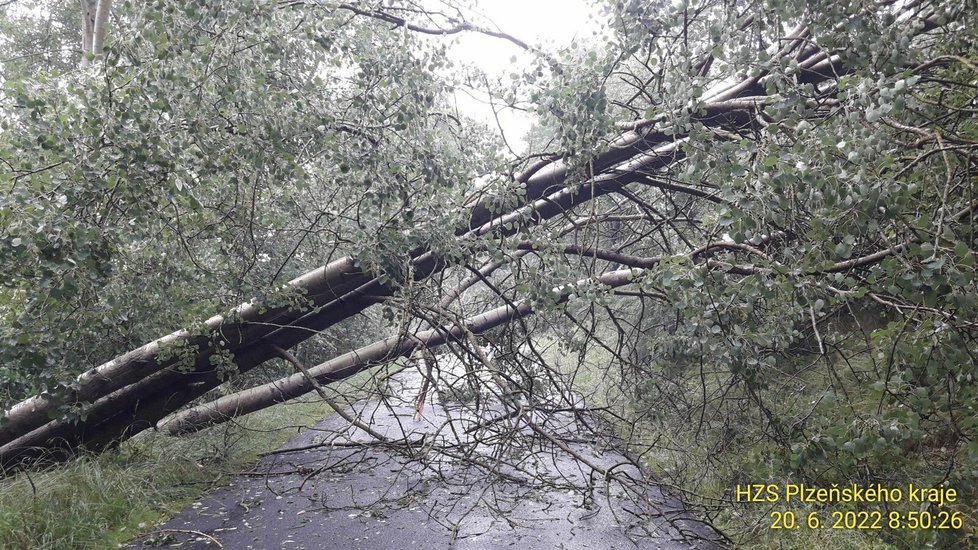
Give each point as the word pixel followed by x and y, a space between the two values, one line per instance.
pixel 201 534
pixel 285 354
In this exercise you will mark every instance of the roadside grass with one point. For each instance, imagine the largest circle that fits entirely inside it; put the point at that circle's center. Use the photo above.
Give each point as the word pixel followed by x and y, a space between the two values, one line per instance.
pixel 704 456
pixel 95 502
pixel 708 459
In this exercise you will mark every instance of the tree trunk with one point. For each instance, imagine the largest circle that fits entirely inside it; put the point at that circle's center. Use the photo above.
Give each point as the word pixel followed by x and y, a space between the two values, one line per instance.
pixel 376 354
pixel 140 405
pixel 249 322
pixel 140 387
pixel 101 26
pixel 88 9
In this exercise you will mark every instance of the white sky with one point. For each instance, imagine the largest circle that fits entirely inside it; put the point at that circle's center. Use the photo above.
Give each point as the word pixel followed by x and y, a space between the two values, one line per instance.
pixel 547 24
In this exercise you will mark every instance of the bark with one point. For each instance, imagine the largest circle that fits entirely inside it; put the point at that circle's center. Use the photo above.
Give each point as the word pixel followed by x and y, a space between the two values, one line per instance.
pixel 101 26
pixel 134 408
pixel 376 354
pixel 233 330
pixel 87 29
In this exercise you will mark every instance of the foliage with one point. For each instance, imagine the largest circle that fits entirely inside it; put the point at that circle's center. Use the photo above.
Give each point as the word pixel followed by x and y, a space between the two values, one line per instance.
pixel 791 186
pixel 217 151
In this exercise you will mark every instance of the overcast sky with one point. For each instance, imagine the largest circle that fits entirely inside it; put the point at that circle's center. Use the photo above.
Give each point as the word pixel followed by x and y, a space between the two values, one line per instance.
pixel 546 24
pixel 549 24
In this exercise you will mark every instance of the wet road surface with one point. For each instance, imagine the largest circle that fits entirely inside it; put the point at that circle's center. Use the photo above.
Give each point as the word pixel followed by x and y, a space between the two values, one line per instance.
pixel 332 486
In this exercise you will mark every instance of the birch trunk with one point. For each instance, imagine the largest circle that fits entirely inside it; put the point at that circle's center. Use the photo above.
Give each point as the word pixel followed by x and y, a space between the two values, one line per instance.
pixel 373 355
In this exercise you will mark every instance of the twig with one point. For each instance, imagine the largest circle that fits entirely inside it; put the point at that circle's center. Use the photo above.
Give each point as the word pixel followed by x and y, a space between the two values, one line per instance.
pixel 322 393
pixel 186 532
pixel 818 337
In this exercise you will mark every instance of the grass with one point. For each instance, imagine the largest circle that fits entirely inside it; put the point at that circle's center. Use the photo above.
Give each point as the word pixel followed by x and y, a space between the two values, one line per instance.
pixel 693 461
pixel 692 458
pixel 102 501
pixel 705 456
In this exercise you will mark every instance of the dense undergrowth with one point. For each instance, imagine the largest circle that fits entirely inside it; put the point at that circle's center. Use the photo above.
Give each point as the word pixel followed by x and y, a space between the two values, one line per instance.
pixel 708 458
pixel 813 419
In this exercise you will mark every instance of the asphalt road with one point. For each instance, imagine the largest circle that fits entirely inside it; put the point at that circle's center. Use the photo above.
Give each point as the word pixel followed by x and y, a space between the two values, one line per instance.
pixel 332 487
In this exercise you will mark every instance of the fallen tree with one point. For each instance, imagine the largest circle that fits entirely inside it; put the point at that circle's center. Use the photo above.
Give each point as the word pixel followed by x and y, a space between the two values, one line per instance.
pixel 385 351
pixel 376 354
pixel 134 391
pixel 341 281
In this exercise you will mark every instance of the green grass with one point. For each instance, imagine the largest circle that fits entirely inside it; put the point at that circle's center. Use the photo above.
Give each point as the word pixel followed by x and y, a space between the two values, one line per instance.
pixel 705 456
pixel 101 501
pixel 691 459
